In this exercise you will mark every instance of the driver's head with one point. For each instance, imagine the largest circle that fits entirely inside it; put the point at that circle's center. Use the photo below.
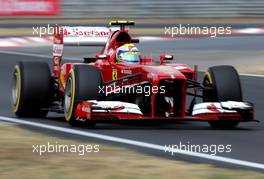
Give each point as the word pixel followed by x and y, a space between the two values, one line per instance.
pixel 128 53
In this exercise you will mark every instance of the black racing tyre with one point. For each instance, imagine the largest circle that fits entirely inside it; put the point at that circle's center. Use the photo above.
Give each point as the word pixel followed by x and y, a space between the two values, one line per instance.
pixel 225 85
pixel 82 84
pixel 30 89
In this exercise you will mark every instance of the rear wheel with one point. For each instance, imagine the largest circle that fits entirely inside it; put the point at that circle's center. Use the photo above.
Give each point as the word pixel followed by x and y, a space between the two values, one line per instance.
pixel 30 89
pixel 82 84
pixel 224 84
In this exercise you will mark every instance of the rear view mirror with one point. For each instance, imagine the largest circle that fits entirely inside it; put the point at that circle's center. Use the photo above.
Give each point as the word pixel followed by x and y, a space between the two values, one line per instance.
pixel 164 57
pixel 100 56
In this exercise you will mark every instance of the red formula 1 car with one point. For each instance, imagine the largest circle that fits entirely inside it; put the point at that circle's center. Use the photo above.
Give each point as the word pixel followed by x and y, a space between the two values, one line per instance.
pixel 118 84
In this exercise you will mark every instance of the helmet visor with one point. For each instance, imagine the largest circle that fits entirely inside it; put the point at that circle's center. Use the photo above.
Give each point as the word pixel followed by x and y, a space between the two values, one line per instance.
pixel 130 57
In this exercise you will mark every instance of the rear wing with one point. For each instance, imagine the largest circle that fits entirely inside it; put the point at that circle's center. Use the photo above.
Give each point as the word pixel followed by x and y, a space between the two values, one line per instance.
pixel 87 35
pixel 81 36
pixel 76 36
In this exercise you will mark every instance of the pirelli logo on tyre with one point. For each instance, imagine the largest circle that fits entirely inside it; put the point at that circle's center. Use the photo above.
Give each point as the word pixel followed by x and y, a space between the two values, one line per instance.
pixel 114 74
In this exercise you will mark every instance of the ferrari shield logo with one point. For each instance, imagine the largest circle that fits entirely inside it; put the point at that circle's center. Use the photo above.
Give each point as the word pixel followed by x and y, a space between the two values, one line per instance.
pixel 114 74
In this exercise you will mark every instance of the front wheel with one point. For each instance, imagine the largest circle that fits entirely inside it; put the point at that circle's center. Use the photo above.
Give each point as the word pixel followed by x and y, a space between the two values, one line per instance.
pixel 223 84
pixel 82 84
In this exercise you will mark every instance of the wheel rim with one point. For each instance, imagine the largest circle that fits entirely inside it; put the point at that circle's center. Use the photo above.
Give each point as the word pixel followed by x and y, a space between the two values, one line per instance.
pixel 68 95
pixel 15 89
pixel 207 95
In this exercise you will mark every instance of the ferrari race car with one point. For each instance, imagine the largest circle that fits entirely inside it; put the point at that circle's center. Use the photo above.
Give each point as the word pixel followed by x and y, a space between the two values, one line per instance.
pixel 119 84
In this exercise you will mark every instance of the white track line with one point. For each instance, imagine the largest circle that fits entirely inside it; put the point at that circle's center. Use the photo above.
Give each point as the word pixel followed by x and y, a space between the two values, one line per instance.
pixel 79 59
pixel 134 143
pixel 253 75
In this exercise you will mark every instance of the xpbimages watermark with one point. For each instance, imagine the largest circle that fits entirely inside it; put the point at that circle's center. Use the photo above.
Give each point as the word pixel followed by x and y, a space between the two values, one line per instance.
pixel 45 30
pixel 77 31
pixel 130 89
pixel 56 147
pixel 187 29
pixel 211 149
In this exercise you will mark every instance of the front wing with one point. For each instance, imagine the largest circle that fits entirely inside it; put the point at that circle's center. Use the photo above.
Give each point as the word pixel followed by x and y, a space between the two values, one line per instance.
pixel 114 111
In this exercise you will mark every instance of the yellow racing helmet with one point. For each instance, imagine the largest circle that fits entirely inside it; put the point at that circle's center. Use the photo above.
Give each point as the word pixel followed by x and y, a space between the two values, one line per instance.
pixel 128 53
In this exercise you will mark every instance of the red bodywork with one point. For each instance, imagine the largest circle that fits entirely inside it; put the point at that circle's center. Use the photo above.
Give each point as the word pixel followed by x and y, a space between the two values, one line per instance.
pixel 154 74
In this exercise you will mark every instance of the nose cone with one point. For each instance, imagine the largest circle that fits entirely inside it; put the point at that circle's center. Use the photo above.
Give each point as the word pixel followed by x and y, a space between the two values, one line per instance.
pixel 164 72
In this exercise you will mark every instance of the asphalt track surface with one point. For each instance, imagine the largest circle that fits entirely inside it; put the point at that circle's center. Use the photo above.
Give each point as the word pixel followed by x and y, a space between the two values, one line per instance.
pixel 246 141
